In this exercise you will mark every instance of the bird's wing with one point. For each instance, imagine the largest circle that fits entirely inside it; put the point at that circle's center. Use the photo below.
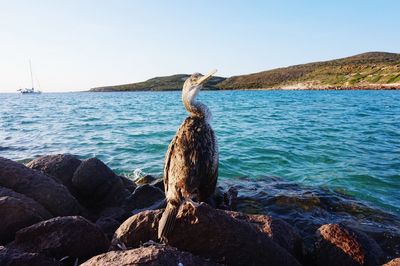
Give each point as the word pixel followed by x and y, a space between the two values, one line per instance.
pixel 167 163
pixel 212 170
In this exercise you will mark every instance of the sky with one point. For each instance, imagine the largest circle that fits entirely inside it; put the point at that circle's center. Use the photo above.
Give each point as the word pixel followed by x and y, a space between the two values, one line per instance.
pixel 77 45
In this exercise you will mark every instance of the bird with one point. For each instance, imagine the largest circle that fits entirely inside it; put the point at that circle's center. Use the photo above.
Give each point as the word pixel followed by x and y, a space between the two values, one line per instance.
pixel 191 162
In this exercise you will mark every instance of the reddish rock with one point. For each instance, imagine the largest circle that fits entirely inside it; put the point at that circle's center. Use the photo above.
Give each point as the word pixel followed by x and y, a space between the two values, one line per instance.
pixel 278 230
pixel 72 236
pixel 40 187
pixel 60 166
pixel 340 245
pixel 143 227
pixel 97 184
pixel 208 232
pixel 393 262
pixel 14 257
pixel 151 255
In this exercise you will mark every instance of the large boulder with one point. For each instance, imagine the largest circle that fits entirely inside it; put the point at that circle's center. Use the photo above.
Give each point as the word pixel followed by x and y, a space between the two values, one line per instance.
pixel 144 196
pixel 151 255
pixel 108 226
pixel 210 233
pixel 33 205
pixel 71 236
pixel 128 184
pixel 15 257
pixel 18 211
pixel 278 230
pixel 116 213
pixel 15 214
pixel 40 187
pixel 60 166
pixel 97 185
pixel 143 227
pixel 339 245
pixel 136 230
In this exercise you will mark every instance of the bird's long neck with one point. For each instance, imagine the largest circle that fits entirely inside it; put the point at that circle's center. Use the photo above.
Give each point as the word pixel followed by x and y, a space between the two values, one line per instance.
pixel 197 109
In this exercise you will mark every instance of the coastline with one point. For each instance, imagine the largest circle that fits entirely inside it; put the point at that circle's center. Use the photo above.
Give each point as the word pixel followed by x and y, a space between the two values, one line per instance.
pixel 287 88
pixel 367 71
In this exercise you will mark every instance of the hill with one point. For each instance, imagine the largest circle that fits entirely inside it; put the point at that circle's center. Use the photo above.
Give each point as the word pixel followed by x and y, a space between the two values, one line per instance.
pixel 174 82
pixel 373 70
pixel 368 70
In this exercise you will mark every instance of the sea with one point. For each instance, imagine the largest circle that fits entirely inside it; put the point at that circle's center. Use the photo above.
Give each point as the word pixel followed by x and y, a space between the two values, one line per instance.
pixel 343 142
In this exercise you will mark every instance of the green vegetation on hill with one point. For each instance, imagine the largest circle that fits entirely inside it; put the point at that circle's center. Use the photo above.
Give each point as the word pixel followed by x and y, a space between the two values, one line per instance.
pixel 372 70
pixel 174 82
pixel 364 70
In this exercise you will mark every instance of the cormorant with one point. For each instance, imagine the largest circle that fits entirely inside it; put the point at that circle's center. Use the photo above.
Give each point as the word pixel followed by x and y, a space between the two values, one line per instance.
pixel 191 162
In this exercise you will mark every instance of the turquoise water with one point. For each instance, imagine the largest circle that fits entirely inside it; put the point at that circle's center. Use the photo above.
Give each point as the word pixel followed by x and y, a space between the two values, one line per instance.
pixel 347 141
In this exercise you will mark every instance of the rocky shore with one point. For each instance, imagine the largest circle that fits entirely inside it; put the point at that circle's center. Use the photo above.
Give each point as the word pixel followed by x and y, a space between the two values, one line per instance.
pixel 60 210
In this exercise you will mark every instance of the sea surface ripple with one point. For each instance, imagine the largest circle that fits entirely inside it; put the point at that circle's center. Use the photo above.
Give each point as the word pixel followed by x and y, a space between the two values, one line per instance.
pixel 346 141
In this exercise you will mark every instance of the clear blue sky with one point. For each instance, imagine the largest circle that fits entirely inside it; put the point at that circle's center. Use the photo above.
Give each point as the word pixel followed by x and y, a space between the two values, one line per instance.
pixel 76 45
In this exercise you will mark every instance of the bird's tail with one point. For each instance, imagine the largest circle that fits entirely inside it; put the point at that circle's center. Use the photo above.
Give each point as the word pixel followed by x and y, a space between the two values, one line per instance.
pixel 167 221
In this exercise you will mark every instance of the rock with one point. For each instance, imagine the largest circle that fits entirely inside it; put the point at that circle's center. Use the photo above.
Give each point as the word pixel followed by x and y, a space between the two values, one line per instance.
pixel 14 257
pixel 128 184
pixel 72 236
pixel 143 227
pixel 97 184
pixel 151 255
pixel 340 245
pixel 278 230
pixel 393 262
pixel 40 187
pixel 116 213
pixel 147 179
pixel 144 196
pixel 137 230
pixel 108 226
pixel 225 200
pixel 230 198
pixel 35 206
pixel 158 183
pixel 207 232
pixel 15 214
pixel 61 166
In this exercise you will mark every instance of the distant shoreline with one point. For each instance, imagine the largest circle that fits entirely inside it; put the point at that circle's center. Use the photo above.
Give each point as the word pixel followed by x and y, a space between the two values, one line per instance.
pixel 329 88
pixel 368 71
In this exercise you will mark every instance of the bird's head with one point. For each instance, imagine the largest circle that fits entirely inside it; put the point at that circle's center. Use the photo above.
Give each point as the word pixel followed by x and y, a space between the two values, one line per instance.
pixel 193 84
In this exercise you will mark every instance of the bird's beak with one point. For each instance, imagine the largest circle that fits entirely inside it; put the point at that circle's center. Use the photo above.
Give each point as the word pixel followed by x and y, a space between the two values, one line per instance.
pixel 206 77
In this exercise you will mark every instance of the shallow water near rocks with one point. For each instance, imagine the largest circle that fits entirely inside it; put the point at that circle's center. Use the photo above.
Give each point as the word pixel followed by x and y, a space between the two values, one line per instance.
pixel 307 208
pixel 339 141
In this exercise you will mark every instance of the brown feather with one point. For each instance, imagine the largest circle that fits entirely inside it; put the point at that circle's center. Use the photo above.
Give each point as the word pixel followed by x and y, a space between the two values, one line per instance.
pixel 190 167
pixel 191 163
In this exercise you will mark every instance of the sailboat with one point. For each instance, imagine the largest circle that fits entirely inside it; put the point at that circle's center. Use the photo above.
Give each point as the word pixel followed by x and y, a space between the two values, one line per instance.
pixel 30 90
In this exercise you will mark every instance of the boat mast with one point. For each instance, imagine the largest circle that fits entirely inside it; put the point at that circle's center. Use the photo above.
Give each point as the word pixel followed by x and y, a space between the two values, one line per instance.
pixel 30 68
